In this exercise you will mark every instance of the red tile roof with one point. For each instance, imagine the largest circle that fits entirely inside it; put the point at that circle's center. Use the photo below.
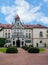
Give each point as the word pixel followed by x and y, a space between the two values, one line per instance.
pixel 35 26
pixel 7 26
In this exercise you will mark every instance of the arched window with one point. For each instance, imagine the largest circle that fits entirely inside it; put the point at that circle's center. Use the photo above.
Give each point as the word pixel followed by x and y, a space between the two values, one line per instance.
pixel 41 34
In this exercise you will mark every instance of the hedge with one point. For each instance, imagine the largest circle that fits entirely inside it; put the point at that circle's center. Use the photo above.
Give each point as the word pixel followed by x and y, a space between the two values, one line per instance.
pixel 33 50
pixel 12 50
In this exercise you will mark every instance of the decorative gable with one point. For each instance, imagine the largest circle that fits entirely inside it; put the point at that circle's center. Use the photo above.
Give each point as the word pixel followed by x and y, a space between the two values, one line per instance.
pixel 18 24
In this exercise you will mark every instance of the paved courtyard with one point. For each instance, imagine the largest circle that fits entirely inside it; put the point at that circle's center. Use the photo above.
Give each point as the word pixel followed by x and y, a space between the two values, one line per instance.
pixel 24 58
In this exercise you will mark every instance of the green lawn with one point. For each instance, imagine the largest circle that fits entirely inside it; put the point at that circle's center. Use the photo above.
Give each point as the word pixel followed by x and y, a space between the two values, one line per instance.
pixel 3 50
pixel 42 49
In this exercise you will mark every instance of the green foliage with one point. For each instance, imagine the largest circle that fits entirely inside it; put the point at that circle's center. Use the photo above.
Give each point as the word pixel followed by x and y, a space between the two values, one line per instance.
pixel 31 45
pixel 25 47
pixel 11 50
pixel 33 50
pixel 2 42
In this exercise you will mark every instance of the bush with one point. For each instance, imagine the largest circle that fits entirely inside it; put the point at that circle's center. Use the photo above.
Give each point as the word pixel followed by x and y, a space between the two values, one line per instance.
pixel 31 45
pixel 2 42
pixel 33 50
pixel 25 47
pixel 11 50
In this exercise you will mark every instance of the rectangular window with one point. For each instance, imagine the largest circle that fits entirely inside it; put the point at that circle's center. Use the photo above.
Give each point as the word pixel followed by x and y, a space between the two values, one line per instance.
pixel 41 34
pixel 27 41
pixel 27 35
pixel 5 35
pixel 8 35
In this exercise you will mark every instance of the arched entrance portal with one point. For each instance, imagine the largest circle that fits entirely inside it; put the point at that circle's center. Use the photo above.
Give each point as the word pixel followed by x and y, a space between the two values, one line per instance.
pixel 18 43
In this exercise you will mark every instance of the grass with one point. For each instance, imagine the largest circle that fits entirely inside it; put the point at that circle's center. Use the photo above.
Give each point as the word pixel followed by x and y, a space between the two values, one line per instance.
pixel 42 49
pixel 3 50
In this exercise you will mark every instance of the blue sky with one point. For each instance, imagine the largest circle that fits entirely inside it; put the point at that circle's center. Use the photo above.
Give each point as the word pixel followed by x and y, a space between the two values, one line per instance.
pixel 30 11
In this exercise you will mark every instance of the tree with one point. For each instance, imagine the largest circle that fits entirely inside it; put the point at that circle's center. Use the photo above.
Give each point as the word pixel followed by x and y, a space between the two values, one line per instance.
pixel 2 42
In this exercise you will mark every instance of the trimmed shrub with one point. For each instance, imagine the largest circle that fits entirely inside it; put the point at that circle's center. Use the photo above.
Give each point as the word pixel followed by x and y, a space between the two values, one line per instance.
pixel 33 50
pixel 11 50
pixel 25 47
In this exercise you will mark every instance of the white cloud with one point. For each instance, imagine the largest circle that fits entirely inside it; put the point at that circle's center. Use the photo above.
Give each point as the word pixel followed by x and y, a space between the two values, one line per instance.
pixel 45 0
pixel 44 19
pixel 22 8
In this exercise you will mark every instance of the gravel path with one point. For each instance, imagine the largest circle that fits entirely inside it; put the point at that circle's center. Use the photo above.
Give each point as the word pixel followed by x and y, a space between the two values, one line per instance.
pixel 24 58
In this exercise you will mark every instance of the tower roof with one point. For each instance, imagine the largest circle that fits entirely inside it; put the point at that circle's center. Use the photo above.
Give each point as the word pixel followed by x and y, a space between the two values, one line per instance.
pixel 17 17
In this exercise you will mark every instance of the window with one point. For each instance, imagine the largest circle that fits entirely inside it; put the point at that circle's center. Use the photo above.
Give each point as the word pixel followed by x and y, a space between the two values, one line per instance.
pixel 6 30
pixel 9 30
pixel 13 42
pixel 8 35
pixel 29 35
pixel 5 35
pixel 17 24
pixel 41 34
pixel 26 35
pixel 14 31
pixel 26 30
pixel 27 41
pixel 41 41
pixel 7 41
pixel 13 38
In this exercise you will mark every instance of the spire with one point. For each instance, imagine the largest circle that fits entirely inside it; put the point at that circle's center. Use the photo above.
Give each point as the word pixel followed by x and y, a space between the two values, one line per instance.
pixel 17 18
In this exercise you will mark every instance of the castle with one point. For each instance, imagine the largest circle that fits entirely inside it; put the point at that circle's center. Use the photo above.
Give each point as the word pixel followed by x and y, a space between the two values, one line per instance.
pixel 19 34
